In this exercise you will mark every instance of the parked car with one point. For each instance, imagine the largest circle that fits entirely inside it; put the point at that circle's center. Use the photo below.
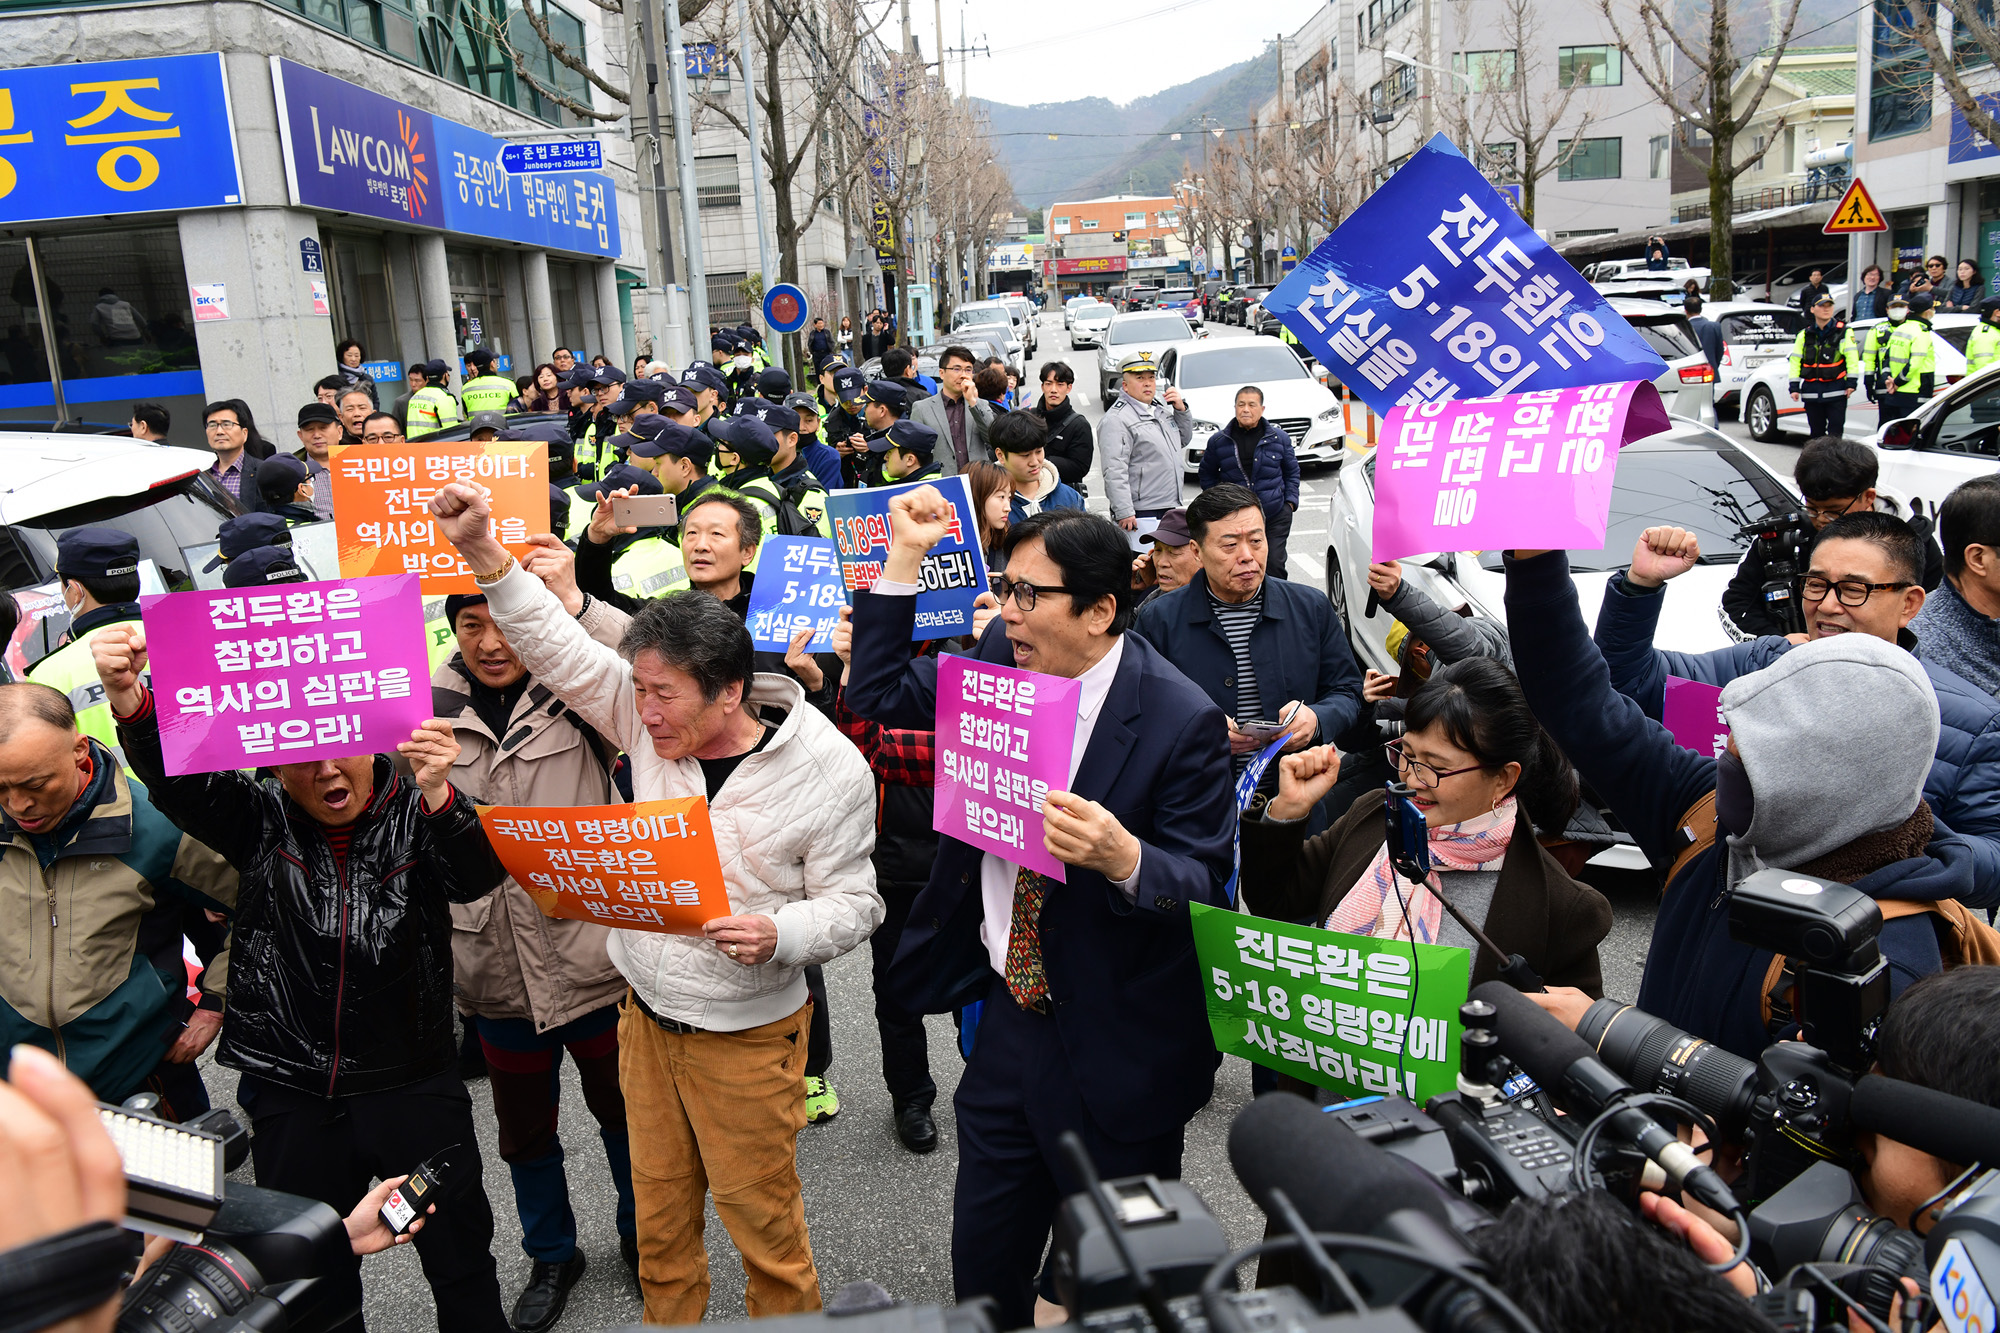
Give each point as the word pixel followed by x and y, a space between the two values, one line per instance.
pixel 1139 331
pixel 1785 287
pixel 1209 288
pixel 1088 324
pixel 1070 307
pixel 1949 440
pixel 1240 301
pixel 1183 301
pixel 1753 333
pixel 988 315
pixel 1024 320
pixel 1209 373
pixel 1770 413
pixel 1611 270
pixel 1688 386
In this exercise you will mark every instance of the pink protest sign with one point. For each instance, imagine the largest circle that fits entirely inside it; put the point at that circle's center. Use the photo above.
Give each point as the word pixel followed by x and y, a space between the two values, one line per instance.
pixel 309 671
pixel 1003 743
pixel 1692 713
pixel 1530 470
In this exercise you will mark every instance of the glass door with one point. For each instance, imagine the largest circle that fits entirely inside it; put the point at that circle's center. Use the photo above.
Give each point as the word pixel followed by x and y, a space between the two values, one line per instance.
pixel 478 302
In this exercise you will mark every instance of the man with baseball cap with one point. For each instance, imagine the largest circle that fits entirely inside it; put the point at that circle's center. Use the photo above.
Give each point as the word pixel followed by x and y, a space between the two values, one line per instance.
pixel 263 567
pixel 883 404
pixel 813 452
pixel 1908 359
pixel 1825 368
pixel 681 405
pixel 285 487
pixel 908 451
pixel 1173 559
pixel 99 571
pixel 432 408
pixel 487 390
pixel 1141 444
pixel 484 426
pixel 247 532
pixel 711 389
pixel 773 383
pixel 319 431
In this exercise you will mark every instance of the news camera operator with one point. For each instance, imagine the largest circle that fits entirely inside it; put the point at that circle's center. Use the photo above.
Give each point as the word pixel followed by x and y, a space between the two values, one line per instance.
pixel 1824 772
pixel 1863 577
pixel 1837 477
pixel 340 1013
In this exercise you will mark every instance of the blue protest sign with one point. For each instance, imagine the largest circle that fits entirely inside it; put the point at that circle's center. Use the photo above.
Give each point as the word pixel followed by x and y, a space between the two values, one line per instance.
pixel 785 308
pixel 117 136
pixel 521 159
pixel 1246 791
pixel 1435 289
pixel 954 573
pixel 798 587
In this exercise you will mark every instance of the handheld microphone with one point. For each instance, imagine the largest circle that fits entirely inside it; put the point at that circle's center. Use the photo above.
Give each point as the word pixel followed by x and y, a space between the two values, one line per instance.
pixel 1928 1120
pixel 1562 1063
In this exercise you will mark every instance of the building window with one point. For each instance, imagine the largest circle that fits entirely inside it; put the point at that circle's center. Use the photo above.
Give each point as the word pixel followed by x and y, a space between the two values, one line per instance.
pixel 726 302
pixel 1498 161
pixel 715 182
pixel 1484 71
pixel 1965 48
pixel 1899 79
pixel 1135 219
pixel 1593 160
pixel 1167 219
pixel 1658 156
pixel 1589 66
pixel 1382 13
pixel 1061 227
pixel 1090 224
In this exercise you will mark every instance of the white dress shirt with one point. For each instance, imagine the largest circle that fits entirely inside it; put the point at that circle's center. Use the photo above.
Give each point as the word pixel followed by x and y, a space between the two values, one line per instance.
pixel 996 873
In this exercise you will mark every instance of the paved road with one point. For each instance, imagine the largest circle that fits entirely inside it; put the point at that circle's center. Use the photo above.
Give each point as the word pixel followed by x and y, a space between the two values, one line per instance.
pixel 876 1211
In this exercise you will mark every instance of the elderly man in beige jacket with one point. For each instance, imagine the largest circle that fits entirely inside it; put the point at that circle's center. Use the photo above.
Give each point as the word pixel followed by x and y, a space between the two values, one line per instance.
pixel 712 1047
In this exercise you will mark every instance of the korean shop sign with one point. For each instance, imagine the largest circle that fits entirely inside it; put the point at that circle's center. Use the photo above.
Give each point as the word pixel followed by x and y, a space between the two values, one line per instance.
pixel 117 136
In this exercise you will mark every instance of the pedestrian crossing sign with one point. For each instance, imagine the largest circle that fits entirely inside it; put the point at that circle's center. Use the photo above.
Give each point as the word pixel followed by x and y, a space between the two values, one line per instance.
pixel 1856 212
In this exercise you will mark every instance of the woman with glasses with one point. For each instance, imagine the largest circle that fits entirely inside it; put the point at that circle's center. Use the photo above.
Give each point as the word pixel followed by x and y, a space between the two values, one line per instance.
pixel 1483 774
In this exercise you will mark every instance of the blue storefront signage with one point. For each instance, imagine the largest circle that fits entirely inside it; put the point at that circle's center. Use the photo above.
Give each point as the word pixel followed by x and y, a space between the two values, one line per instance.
pixel 116 136
pixel 562 155
pixel 1435 289
pixel 350 150
pixel 1968 144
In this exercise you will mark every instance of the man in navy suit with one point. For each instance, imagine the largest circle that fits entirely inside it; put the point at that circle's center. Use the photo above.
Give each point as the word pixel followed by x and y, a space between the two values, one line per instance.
pixel 1093 1016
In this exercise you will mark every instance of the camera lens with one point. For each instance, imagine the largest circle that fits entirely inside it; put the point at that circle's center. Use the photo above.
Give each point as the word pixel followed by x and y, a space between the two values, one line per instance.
pixel 189 1289
pixel 1883 1251
pixel 1653 1054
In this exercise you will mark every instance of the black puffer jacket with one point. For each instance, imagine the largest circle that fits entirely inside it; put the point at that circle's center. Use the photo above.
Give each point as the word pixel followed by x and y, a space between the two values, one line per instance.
pixel 339 975
pixel 1071 444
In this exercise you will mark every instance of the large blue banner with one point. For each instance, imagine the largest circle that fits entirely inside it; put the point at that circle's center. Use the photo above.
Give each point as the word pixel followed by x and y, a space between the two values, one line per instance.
pixel 118 136
pixel 1435 289
pixel 354 151
pixel 953 574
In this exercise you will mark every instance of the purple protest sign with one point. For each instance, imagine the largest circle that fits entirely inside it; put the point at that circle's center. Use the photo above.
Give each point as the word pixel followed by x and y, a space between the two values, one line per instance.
pixel 313 671
pixel 1692 713
pixel 1531 470
pixel 1004 738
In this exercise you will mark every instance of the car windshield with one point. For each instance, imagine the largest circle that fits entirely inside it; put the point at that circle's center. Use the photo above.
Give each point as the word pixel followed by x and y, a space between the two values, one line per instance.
pixel 966 316
pixel 1098 311
pixel 1241 363
pixel 1153 329
pixel 1178 294
pixel 1711 491
pixel 1957 337
pixel 1761 327
pixel 1671 338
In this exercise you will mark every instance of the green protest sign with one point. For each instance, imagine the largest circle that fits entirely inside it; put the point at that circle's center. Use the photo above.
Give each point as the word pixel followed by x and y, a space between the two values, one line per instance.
pixel 1339 1011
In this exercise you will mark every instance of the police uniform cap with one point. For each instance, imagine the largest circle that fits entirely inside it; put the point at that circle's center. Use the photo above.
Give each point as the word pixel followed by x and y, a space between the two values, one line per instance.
pixel 1919 301
pixel 849 384
pixel 773 382
pixel 748 437
pixel 247 532
pixel 622 476
pixel 679 398
pixel 1139 363
pixel 262 567
pixel 910 436
pixel 888 393
pixel 486 421
pixel 97 553
pixel 279 477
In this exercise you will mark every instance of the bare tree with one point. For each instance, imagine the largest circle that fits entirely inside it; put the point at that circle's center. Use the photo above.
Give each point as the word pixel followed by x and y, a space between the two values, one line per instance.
pixel 1972 43
pixel 1705 98
pixel 903 111
pixel 1505 99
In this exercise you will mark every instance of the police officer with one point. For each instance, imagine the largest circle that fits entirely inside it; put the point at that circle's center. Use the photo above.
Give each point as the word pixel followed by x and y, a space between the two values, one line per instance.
pixel 263 567
pixel 579 389
pixel 99 571
pixel 1824 368
pixel 710 388
pixel 681 405
pixel 883 404
pixel 486 391
pixel 812 452
pixel 432 408
pixel 906 449
pixel 637 565
pixel 1909 361
pixel 245 533
pixel 1982 349
pixel 286 488
pixel 773 384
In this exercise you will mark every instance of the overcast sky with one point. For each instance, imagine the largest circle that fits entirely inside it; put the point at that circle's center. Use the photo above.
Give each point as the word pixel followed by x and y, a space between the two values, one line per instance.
pixel 1061 50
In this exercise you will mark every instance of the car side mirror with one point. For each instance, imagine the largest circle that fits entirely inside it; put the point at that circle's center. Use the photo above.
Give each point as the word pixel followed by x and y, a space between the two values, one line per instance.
pixel 1900 435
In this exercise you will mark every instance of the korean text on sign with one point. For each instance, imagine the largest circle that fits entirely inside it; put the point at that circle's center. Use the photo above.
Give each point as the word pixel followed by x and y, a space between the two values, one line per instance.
pixel 1531 470
pixel 953 574
pixel 382 495
pixel 313 671
pixel 799 587
pixel 1435 289
pixel 650 866
pixel 1004 738
pixel 1344 1012
pixel 1692 713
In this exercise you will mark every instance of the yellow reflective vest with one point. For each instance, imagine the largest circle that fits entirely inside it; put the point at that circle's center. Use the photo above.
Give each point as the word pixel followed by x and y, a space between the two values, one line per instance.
pixel 487 393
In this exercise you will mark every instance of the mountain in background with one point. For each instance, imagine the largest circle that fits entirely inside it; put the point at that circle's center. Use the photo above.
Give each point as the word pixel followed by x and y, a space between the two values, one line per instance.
pixel 1101 148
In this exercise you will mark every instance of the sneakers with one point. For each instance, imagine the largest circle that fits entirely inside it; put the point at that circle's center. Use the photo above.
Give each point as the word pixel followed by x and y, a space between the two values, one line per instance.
pixel 822 1103
pixel 541 1302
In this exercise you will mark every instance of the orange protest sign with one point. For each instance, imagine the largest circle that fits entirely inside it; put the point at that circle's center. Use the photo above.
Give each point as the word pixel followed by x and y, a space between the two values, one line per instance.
pixel 650 866
pixel 382 493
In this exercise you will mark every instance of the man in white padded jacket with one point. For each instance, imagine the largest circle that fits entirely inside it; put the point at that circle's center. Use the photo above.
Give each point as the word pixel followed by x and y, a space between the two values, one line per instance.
pixel 712 1047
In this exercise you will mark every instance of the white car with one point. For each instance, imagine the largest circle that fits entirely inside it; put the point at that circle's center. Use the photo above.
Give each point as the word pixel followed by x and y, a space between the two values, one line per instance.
pixel 1676 477
pixel 1611 270
pixel 1133 332
pixel 1209 373
pixel 1087 325
pixel 1023 311
pixel 1946 442
pixel 1770 413
pixel 1071 306
pixel 1687 386
pixel 1754 333
pixel 995 319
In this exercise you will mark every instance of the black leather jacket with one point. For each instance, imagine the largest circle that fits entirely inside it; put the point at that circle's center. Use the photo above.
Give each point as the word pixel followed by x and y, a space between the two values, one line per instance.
pixel 339 975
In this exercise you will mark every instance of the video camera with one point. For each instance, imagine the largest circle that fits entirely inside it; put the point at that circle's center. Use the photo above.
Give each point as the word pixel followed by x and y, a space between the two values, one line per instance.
pixel 1781 538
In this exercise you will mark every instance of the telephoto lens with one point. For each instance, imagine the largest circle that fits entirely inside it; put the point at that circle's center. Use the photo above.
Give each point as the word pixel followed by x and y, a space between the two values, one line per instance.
pixel 1821 1218
pixel 1656 1056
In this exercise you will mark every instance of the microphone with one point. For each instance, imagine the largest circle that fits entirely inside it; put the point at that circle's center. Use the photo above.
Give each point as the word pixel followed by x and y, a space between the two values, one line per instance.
pixel 1565 1065
pixel 1930 1121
